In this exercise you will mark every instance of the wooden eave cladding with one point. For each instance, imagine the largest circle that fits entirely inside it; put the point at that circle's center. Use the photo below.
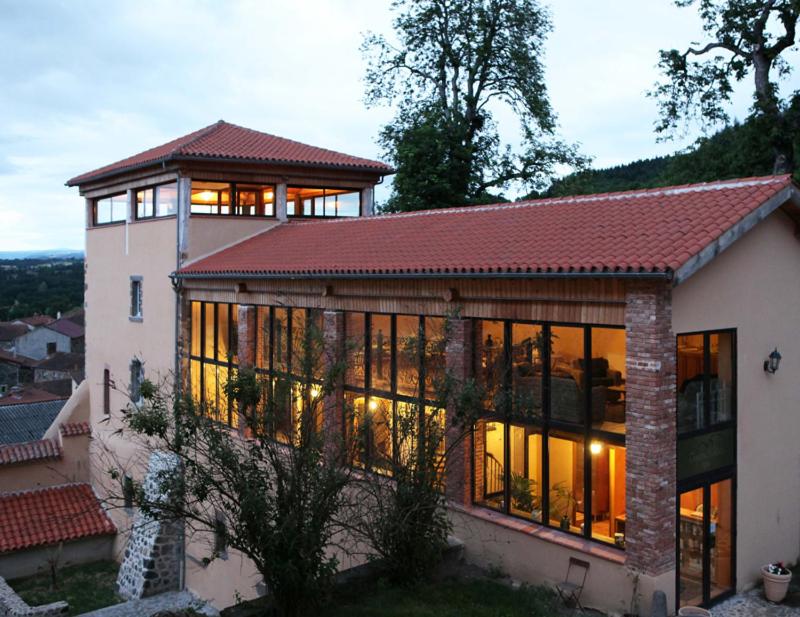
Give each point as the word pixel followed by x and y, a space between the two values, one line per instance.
pixel 591 301
pixel 264 173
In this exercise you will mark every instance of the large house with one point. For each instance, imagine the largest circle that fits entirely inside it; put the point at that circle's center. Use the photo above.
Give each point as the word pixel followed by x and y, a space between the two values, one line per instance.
pixel 644 331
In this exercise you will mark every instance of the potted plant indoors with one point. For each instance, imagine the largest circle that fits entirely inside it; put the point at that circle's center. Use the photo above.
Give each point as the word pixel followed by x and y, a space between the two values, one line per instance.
pixel 523 497
pixel 562 503
pixel 776 579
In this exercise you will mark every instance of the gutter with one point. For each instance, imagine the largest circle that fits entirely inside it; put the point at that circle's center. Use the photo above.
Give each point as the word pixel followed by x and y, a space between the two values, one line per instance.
pixel 175 276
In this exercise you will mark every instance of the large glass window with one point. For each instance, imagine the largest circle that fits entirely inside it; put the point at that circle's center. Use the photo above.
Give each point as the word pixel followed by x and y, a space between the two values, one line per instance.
pixel 111 209
pixel 490 361
pixel 705 380
pixel 607 375
pixel 322 202
pixel 213 358
pixel 536 455
pixel 157 201
pixel 227 198
pixel 567 387
pixel 386 354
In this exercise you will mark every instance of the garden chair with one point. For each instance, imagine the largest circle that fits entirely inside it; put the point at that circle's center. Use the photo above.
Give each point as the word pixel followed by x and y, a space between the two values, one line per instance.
pixel 571 588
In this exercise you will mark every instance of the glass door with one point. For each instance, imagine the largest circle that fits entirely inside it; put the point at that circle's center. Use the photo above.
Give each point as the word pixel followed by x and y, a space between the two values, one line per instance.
pixel 705 543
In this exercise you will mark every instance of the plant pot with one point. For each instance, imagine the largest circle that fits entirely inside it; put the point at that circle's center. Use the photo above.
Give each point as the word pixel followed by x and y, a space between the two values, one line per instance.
pixel 693 611
pixel 775 585
pixel 565 523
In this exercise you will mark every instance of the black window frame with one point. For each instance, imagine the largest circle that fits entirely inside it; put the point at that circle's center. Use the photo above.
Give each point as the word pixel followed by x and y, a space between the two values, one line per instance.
pixel 708 427
pixel 202 361
pixel 234 198
pixel 324 197
pixel 96 203
pixel 154 188
pixel 545 423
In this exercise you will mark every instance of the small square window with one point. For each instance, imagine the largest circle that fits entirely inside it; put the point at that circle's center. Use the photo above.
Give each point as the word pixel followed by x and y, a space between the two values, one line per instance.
pixel 137 377
pixel 51 349
pixel 136 298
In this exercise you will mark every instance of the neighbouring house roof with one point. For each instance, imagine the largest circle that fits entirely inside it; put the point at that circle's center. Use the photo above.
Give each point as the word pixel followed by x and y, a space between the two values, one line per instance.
pixel 229 142
pixel 650 232
pixel 67 327
pixel 77 316
pixel 27 393
pixel 29 451
pixel 37 320
pixel 15 358
pixel 65 361
pixel 27 421
pixel 47 516
pixel 10 330
pixel 72 429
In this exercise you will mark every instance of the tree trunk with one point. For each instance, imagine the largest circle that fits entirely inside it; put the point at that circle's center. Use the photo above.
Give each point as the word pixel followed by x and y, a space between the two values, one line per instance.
pixel 767 104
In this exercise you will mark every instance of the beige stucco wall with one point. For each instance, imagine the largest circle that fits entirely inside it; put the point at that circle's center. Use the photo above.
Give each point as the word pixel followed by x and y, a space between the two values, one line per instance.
pixel 755 287
pixel 208 234
pixel 26 563
pixel 609 584
pixel 73 466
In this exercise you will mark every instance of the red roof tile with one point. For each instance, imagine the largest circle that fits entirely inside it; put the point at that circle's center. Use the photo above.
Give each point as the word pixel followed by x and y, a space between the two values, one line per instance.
pixel 71 429
pixel 649 231
pixel 51 515
pixel 67 327
pixel 223 140
pixel 28 451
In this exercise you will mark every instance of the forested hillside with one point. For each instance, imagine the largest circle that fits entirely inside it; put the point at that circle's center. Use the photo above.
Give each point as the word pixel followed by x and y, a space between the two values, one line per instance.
pixel 43 286
pixel 738 151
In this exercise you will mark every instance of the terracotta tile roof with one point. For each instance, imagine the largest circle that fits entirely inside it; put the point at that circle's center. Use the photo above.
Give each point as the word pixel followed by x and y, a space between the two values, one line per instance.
pixel 37 320
pixel 27 421
pixel 9 330
pixel 650 231
pixel 29 451
pixel 71 429
pixel 226 141
pixel 26 393
pixel 51 515
pixel 66 327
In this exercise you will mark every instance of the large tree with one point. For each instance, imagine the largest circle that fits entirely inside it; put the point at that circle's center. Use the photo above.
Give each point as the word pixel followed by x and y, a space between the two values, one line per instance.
pixel 745 40
pixel 455 64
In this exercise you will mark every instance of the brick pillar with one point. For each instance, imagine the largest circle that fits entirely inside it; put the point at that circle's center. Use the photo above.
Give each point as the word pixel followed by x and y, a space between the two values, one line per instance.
pixel 333 405
pixel 246 333
pixel 650 428
pixel 458 351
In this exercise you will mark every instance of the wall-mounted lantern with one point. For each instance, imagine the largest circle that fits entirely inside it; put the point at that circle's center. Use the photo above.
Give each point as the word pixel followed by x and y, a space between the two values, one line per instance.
pixel 772 363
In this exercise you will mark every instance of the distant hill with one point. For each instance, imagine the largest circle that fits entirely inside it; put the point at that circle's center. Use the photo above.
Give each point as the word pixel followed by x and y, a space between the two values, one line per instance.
pixel 40 286
pixel 737 151
pixel 43 254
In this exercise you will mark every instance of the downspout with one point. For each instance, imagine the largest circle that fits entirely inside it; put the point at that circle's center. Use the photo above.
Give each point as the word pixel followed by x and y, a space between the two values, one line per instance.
pixel 177 287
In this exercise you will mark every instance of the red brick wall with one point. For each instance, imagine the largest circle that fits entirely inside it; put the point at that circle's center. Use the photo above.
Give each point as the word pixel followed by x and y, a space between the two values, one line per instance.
pixel 650 428
pixel 247 335
pixel 458 483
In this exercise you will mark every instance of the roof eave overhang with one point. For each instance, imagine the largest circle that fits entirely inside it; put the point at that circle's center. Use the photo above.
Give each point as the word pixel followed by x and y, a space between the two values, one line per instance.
pixel 79 180
pixel 660 275
pixel 788 195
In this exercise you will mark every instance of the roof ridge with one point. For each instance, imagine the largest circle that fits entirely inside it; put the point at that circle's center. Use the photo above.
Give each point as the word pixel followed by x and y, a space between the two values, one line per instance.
pixel 42 489
pixel 552 201
pixel 202 133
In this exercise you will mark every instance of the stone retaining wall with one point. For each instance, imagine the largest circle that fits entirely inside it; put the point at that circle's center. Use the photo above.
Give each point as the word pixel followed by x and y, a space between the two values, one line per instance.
pixel 152 562
pixel 11 605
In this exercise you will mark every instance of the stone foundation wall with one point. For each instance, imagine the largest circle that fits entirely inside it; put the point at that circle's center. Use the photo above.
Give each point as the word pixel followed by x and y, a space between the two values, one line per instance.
pixel 153 556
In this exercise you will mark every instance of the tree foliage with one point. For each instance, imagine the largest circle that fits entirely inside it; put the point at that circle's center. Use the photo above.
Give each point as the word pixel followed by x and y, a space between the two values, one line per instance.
pixel 279 504
pixel 455 64
pixel 737 151
pixel 746 38
pixel 39 286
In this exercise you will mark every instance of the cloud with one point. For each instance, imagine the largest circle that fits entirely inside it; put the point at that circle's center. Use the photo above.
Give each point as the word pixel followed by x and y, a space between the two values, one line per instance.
pixel 94 81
